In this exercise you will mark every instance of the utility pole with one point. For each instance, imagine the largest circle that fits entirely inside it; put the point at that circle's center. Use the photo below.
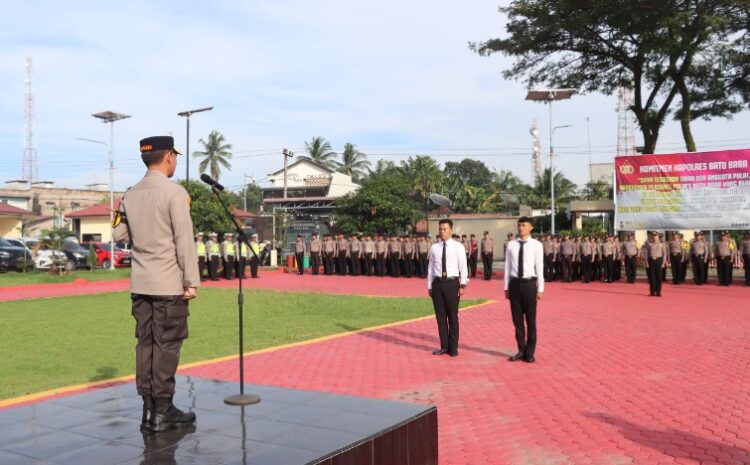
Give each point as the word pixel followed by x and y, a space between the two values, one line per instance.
pixel 287 154
pixel 244 190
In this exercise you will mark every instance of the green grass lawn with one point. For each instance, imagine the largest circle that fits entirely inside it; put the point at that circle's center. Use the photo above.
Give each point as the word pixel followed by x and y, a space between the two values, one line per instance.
pixel 14 278
pixel 48 343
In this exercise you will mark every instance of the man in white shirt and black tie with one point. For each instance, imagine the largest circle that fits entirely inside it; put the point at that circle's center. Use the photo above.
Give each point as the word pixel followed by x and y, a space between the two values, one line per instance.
pixel 447 278
pixel 524 285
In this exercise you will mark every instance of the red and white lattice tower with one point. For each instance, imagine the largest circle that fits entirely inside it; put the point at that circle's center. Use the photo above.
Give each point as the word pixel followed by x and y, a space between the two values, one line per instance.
pixel 29 169
pixel 537 167
pixel 625 124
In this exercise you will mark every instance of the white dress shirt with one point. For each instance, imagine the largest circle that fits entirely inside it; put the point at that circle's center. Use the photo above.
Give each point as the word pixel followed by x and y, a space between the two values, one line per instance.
pixel 455 262
pixel 533 262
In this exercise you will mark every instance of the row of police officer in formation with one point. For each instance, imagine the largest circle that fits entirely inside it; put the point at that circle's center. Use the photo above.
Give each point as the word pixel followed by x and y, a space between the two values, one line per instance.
pixel 604 258
pixel 232 256
pixel 381 255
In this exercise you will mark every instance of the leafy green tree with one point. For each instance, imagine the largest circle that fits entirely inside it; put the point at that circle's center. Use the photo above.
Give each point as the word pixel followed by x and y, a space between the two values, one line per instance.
pixel 206 211
pixel 426 178
pixel 253 198
pixel 216 153
pixel 539 195
pixel 469 172
pixel 319 150
pixel 353 162
pixel 662 49
pixel 597 190
pixel 385 203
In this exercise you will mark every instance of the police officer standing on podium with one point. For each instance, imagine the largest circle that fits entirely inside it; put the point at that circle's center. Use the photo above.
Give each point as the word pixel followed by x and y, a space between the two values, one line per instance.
pixel 156 219
pixel 447 278
pixel 524 285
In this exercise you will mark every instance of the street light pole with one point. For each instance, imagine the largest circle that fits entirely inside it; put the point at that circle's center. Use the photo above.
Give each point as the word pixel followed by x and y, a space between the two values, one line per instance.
pixel 187 115
pixel 110 117
pixel 287 154
pixel 551 170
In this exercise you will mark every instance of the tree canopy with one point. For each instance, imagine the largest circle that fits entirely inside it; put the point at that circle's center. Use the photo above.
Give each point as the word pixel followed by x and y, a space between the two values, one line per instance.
pixel 319 150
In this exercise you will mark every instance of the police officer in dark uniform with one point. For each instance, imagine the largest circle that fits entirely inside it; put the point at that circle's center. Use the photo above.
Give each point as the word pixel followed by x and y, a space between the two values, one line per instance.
pixel 745 250
pixel 155 218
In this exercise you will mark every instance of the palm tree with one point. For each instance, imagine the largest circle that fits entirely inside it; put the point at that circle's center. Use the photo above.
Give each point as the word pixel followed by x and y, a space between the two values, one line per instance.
pixel 426 177
pixel 353 162
pixel 319 150
pixel 539 195
pixel 216 153
pixel 597 190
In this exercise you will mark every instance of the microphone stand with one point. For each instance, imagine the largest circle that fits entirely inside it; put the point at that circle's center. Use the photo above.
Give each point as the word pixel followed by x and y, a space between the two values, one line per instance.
pixel 241 398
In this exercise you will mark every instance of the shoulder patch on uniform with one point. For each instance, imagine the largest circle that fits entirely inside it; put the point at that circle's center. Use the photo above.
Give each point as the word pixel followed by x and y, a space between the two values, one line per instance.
pixel 189 201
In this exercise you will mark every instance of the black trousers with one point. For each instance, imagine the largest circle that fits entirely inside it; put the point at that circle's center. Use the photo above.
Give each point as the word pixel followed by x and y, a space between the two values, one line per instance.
pixel 655 275
pixel 380 264
pixel 329 263
pixel 160 327
pixel 473 264
pixel 676 261
pixel 523 306
pixel 618 269
pixel 630 268
pixel 368 265
pixel 699 272
pixel 724 270
pixel 746 265
pixel 393 261
pixel 241 264
pixel 202 267
pixel 609 270
pixel 445 301
pixel 354 266
pixel 300 257
pixel 229 267
pixel 549 269
pixel 315 262
pixel 566 264
pixel 575 267
pixel 254 267
pixel 683 269
pixel 213 267
pixel 408 266
pixel 486 266
pixel 586 268
pixel 341 264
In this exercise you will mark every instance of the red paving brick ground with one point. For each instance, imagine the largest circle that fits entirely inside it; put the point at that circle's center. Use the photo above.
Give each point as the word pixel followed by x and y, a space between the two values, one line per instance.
pixel 620 377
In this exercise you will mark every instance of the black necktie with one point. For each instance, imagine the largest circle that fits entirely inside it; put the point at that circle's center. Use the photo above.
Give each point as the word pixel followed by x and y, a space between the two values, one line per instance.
pixel 520 260
pixel 444 263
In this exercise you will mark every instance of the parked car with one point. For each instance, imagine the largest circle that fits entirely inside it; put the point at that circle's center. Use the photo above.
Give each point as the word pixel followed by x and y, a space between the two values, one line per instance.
pixel 18 258
pixel 4 261
pixel 103 254
pixel 78 256
pixel 46 257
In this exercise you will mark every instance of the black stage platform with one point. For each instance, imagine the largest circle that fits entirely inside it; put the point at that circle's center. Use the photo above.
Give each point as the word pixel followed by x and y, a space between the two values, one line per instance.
pixel 288 427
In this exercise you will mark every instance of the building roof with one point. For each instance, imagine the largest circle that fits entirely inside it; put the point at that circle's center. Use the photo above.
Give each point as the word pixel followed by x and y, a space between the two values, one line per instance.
pixel 100 210
pixel 298 199
pixel 472 216
pixel 302 159
pixel 238 213
pixel 6 209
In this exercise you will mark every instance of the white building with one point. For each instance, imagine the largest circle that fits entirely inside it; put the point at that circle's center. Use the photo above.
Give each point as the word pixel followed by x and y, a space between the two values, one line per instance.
pixel 310 187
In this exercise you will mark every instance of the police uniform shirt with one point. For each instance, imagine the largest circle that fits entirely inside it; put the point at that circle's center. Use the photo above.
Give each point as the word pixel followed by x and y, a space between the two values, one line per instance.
pixel 423 247
pixel 675 247
pixel 587 248
pixel 629 249
pixel 608 249
pixel 342 245
pixel 533 262
pixel 567 248
pixel 299 246
pixel 746 247
pixel 455 262
pixel 355 246
pixel 368 247
pixel 394 247
pixel 315 245
pixel 408 249
pixel 329 246
pixel 549 247
pixel 698 247
pixel 487 245
pixel 723 249
pixel 163 260
pixel 654 249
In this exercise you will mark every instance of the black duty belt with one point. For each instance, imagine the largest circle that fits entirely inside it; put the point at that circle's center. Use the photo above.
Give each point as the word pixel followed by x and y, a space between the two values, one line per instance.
pixel 533 278
pixel 446 278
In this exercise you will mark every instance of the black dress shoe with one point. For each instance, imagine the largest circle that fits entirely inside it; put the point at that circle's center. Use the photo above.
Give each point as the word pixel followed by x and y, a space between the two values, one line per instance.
pixel 439 352
pixel 530 359
pixel 166 416
pixel 454 354
pixel 517 357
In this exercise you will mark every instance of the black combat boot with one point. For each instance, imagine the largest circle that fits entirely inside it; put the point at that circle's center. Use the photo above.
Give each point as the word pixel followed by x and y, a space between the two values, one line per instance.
pixel 148 410
pixel 167 416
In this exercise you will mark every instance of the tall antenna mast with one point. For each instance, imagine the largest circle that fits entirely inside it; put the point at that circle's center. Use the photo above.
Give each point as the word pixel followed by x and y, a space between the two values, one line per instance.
pixel 29 169
pixel 625 126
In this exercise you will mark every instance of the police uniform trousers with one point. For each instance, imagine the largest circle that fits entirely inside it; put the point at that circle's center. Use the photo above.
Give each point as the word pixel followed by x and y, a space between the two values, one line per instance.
pixel 354 267
pixel 229 267
pixel 202 267
pixel 549 270
pixel 315 262
pixel 473 260
pixel 213 267
pixel 586 268
pixel 445 301
pixel 566 266
pixel 699 270
pixel 254 266
pixel 329 263
pixel 522 293
pixel 408 270
pixel 487 266
pixel 241 264
pixel 575 267
pixel 683 270
pixel 676 261
pixel 609 270
pixel 630 268
pixel 300 257
pixel 424 262
pixel 724 270
pixel 655 275
pixel 380 264
pixel 746 265
pixel 395 265
pixel 618 269
pixel 161 326
pixel 341 264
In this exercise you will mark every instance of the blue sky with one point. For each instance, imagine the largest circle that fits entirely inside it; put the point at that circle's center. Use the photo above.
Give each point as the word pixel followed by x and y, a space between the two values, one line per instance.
pixel 393 77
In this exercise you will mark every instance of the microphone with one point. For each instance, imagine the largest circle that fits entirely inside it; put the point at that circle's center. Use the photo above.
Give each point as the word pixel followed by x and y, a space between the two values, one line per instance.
pixel 211 182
